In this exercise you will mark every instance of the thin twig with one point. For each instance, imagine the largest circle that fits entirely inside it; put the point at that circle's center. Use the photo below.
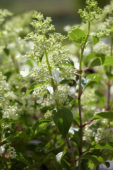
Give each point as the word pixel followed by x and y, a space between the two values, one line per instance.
pixel 109 83
pixel 70 148
pixel 76 123
pixel 83 70
pixel 87 123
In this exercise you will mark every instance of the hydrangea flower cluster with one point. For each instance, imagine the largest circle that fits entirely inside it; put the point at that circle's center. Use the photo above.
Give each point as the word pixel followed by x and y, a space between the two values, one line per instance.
pixel 102 47
pixel 11 152
pixel 53 62
pixel 88 99
pixel 4 14
pixel 5 96
pixel 91 12
pixel 46 91
pixel 106 22
pixel 103 134
pixel 10 112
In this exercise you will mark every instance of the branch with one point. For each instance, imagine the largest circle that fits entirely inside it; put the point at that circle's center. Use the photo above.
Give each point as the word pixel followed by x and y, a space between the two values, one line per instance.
pixel 87 123
pixel 109 83
pixel 70 148
pixel 76 123
pixel 83 70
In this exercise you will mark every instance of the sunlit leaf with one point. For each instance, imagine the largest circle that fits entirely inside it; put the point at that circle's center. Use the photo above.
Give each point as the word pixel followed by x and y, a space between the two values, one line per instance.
pixel 77 35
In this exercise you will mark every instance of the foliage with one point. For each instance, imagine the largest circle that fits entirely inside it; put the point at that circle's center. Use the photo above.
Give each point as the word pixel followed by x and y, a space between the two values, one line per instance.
pixel 56 107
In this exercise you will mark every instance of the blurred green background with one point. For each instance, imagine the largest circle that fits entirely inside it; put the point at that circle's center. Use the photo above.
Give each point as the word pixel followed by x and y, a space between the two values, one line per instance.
pixel 63 12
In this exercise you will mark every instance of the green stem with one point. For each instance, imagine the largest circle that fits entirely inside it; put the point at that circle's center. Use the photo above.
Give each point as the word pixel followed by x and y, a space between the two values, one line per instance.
pixel 57 105
pixel 79 96
pixel 50 73
pixel 109 83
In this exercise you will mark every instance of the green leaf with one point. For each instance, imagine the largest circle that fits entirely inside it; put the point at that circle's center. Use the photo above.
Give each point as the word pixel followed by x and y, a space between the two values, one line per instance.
pixel 107 146
pixel 28 91
pixel 108 61
pixel 104 115
pixel 95 39
pixel 91 165
pixel 63 119
pixel 29 62
pixel 95 62
pixel 93 79
pixel 77 35
pixel 94 59
pixel 6 50
pixel 93 158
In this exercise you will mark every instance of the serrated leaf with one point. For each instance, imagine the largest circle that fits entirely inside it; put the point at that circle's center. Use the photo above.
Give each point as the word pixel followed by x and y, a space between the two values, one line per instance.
pixel 77 35
pixel 63 119
pixel 104 115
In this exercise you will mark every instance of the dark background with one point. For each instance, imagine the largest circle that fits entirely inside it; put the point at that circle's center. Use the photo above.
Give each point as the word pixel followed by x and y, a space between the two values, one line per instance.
pixel 63 12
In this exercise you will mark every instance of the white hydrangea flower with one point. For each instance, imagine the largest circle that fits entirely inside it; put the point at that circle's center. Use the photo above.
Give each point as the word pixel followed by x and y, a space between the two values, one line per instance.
pixel 10 95
pixel 61 93
pixel 68 72
pixel 88 133
pixel 91 12
pixel 3 84
pixel 2 149
pixel 11 152
pixel 59 156
pixel 10 112
pixel 49 100
pixel 48 114
pixel 40 91
pixel 3 14
pixel 102 47
pixel 104 135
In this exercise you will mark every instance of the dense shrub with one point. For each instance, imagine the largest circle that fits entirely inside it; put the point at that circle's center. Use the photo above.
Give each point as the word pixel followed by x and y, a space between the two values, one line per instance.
pixel 56 108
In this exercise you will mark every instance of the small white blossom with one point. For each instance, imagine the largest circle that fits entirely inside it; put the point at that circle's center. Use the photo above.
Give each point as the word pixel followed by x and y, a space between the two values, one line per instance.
pixel 2 149
pixel 10 113
pixel 11 152
pixel 59 156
